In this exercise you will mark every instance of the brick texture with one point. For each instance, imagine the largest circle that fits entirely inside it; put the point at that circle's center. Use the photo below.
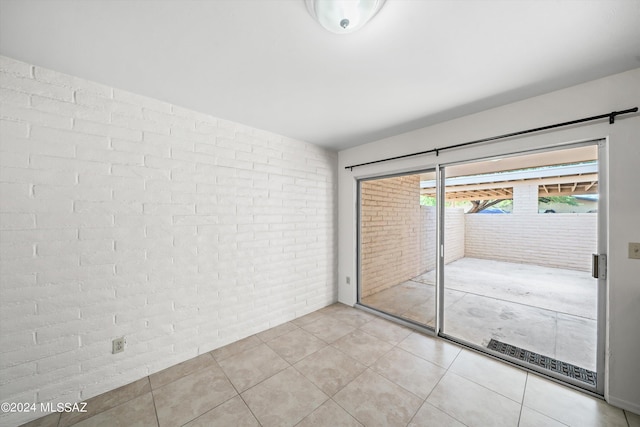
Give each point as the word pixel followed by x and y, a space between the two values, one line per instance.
pixel 525 236
pixel 398 235
pixel 550 240
pixel 125 216
pixel 390 228
pixel 453 236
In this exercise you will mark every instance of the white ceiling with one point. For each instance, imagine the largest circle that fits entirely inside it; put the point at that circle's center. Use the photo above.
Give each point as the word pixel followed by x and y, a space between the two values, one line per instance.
pixel 268 64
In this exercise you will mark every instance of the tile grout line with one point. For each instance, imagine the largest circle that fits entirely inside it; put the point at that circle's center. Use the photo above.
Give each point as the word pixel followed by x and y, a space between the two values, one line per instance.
pixel 346 385
pixel 546 415
pixel 199 370
pixel 206 412
pixel 440 380
pixel 153 399
pixel 291 365
pixel 237 392
pixel 249 408
pixel 424 401
pixel 60 419
pixel 524 391
pixel 484 386
pixel 264 379
pixel 395 346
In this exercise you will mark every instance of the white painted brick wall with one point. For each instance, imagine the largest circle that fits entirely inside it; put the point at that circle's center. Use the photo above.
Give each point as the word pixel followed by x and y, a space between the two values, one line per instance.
pixel 525 199
pixel 123 215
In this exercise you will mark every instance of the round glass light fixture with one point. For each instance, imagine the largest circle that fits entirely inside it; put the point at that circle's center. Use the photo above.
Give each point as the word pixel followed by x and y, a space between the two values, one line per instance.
pixel 343 16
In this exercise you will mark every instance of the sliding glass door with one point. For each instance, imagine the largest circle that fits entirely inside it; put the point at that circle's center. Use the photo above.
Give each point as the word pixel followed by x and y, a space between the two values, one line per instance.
pixel 494 254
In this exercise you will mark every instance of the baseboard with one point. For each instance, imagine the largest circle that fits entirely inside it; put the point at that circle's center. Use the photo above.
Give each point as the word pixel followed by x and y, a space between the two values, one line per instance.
pixel 623 404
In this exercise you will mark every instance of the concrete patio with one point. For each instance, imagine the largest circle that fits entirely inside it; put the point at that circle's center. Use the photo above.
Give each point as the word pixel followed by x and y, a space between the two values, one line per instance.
pixel 550 311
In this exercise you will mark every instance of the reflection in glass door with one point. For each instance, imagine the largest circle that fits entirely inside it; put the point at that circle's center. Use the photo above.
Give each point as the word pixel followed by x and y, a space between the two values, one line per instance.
pixel 397 234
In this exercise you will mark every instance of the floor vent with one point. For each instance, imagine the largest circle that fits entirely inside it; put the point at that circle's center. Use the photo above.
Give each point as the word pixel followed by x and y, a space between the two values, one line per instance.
pixel 567 369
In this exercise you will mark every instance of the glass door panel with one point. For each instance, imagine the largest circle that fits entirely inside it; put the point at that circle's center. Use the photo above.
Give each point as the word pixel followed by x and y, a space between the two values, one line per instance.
pixel 522 287
pixel 397 250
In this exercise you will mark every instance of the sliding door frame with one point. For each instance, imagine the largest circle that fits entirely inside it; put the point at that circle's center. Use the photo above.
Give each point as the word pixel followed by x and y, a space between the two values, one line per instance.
pixel 438 330
pixel 401 320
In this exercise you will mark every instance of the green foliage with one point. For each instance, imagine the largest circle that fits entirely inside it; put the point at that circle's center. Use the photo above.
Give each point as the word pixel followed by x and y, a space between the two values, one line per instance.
pixel 427 200
pixel 567 200
pixel 506 205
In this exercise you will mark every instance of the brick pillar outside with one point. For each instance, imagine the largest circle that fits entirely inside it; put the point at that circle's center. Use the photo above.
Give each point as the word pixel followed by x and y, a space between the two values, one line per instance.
pixel 525 199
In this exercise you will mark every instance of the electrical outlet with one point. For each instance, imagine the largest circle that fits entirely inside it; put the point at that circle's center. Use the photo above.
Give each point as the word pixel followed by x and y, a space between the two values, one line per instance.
pixel 117 345
pixel 348 280
pixel 634 250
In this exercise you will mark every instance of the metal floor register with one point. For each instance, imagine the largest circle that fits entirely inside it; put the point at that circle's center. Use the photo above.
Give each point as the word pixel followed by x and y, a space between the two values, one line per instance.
pixel 545 362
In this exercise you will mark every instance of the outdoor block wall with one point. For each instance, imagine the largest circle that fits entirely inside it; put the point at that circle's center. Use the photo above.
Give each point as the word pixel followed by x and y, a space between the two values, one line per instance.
pixel 525 199
pixel 453 236
pixel 398 235
pixel 390 229
pixel 125 216
pixel 526 236
pixel 550 240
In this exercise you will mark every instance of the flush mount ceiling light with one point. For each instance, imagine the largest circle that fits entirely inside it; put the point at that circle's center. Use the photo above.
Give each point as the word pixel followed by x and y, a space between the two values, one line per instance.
pixel 343 16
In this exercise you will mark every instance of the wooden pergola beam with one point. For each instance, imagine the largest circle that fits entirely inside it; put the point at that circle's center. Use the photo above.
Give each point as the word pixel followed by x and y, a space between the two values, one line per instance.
pixel 552 186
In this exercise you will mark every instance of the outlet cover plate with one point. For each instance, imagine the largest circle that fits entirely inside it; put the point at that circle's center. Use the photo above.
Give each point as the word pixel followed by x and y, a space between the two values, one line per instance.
pixel 117 345
pixel 634 250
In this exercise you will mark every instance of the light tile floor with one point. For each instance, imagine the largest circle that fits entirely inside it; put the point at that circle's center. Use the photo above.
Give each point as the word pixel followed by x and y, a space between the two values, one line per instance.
pixel 340 366
pixel 550 311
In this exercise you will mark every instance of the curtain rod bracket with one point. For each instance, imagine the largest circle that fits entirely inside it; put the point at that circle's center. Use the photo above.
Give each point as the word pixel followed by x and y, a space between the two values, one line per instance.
pixel 613 114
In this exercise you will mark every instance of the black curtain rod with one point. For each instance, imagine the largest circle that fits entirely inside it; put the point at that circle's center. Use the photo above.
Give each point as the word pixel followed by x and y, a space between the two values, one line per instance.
pixel 612 117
